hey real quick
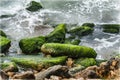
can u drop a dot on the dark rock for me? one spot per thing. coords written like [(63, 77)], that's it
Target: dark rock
[(2, 33), (89, 24)]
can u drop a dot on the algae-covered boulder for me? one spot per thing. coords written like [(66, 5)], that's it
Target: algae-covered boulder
[(88, 24), (31, 45), (81, 30), (9, 67), (111, 28), (74, 41), (4, 44), (74, 51), (2, 33), (39, 63), (34, 6), (58, 35), (85, 62)]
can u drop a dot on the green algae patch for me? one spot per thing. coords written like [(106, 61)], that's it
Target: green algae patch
[(9, 66), (39, 63), (74, 41), (2, 33), (31, 45), (81, 30), (73, 51), (4, 44), (111, 28), (86, 62), (57, 35), (34, 6), (88, 24)]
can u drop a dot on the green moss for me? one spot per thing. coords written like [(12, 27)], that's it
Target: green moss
[(111, 28), (4, 44), (74, 51), (39, 63), (34, 6), (58, 35), (2, 33), (31, 45), (81, 30), (86, 62), (89, 24), (9, 65), (74, 42)]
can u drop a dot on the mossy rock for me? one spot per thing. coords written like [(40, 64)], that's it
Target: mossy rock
[(99, 61), (34, 6), (2, 33), (86, 62), (73, 51), (4, 44), (9, 66), (111, 28), (31, 45), (88, 24), (81, 30), (74, 41), (58, 35), (39, 63)]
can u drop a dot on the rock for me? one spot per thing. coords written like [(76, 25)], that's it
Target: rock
[(73, 51), (57, 70), (86, 62), (111, 28), (2, 33), (3, 75), (34, 6), (9, 67), (4, 44), (99, 61), (31, 45), (57, 35), (37, 63), (74, 42), (25, 75), (81, 30), (88, 24)]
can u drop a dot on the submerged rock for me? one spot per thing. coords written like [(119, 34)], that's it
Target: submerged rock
[(2, 33), (89, 24), (4, 44), (86, 62), (111, 28), (39, 63), (74, 42), (31, 45), (9, 67), (81, 30), (34, 6), (58, 70), (58, 35), (73, 51)]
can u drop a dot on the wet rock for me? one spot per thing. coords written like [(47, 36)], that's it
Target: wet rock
[(74, 41), (9, 67), (39, 63), (73, 51), (2, 33), (25, 75), (31, 45), (57, 35), (58, 70), (4, 44), (34, 6), (111, 28), (3, 75), (88, 24)]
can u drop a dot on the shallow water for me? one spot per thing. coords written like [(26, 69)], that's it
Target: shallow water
[(22, 23)]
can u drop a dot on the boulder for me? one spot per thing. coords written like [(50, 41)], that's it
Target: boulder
[(74, 41), (4, 44), (37, 63), (34, 6), (2, 33), (57, 35), (111, 28), (31, 45), (9, 67), (73, 51), (81, 30), (88, 24)]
